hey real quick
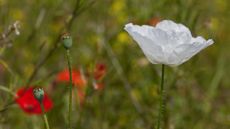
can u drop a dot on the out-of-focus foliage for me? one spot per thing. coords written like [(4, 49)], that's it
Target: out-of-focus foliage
[(197, 91)]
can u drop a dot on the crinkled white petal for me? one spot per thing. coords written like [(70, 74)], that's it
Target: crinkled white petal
[(157, 36), (167, 43), (170, 26), (151, 49), (187, 51)]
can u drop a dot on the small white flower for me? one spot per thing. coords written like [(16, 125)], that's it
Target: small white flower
[(168, 43)]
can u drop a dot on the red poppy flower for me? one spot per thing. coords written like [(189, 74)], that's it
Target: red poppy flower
[(100, 71), (78, 78), (25, 99), (153, 21)]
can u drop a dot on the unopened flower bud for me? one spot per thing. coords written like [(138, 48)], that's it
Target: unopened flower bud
[(38, 94), (66, 40)]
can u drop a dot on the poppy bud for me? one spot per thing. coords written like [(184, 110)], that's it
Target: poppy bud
[(66, 40), (38, 94)]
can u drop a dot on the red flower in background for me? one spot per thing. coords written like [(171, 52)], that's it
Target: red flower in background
[(78, 78), (99, 71), (153, 21), (25, 99), (80, 82)]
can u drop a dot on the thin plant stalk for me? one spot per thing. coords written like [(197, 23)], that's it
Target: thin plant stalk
[(70, 87), (44, 117), (4, 88), (162, 99)]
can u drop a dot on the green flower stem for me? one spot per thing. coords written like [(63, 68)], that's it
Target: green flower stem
[(44, 116), (70, 87), (162, 99)]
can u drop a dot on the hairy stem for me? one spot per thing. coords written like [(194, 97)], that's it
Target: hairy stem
[(70, 87), (162, 100), (44, 117)]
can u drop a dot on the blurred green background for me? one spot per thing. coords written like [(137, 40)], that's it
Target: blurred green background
[(198, 91)]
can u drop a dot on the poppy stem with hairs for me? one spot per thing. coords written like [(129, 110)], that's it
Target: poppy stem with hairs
[(162, 99), (70, 88), (67, 43), (39, 96), (44, 116)]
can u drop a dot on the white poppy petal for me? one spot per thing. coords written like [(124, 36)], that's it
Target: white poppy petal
[(158, 36), (170, 26), (187, 51), (172, 60), (142, 30), (168, 43), (152, 51)]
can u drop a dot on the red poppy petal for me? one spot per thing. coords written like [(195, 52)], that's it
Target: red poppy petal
[(78, 78), (100, 71), (25, 99)]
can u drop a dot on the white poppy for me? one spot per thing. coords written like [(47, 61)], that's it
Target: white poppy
[(168, 43)]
